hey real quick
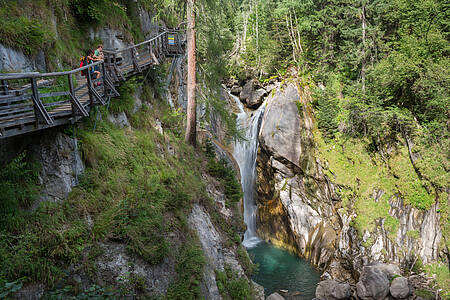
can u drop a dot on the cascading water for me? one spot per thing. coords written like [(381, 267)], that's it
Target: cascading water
[(278, 269), (245, 152)]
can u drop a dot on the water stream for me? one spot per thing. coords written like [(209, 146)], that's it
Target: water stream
[(278, 269), (245, 152)]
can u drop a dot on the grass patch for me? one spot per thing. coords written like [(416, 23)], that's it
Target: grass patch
[(424, 294), (441, 271), (231, 286), (367, 173), (19, 188), (125, 102), (222, 171), (25, 34), (131, 191), (189, 268)]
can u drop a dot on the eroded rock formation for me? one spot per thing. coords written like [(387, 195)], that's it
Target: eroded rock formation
[(300, 207)]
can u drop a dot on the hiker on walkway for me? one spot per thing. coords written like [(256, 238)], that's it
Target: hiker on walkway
[(95, 74), (98, 55)]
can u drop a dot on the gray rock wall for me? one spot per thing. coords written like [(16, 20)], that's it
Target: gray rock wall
[(299, 207), (12, 60), (61, 165)]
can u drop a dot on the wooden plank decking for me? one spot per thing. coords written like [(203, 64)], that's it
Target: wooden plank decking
[(35, 101)]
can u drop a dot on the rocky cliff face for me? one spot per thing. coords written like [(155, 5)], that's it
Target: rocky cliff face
[(301, 208), (14, 61)]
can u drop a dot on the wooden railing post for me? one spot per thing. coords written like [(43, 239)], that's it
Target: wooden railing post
[(4, 88), (105, 89), (137, 69), (77, 106), (90, 87), (163, 44), (69, 77), (40, 112)]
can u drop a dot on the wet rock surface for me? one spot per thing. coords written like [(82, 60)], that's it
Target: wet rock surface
[(275, 296)]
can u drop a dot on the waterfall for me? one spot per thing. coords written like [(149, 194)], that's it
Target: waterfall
[(245, 152)]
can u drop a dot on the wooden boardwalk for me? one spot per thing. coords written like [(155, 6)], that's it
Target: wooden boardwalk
[(35, 101)]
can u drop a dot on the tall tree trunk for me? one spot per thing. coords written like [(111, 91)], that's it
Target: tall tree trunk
[(191, 126), (363, 63)]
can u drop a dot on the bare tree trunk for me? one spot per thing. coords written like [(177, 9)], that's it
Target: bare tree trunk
[(363, 63), (291, 37), (244, 38), (191, 126), (257, 42)]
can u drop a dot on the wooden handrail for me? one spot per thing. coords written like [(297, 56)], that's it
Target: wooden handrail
[(25, 108)]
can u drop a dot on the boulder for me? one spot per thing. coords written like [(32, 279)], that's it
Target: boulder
[(280, 133), (61, 165), (119, 119), (373, 284), (251, 94), (256, 98), (275, 296), (390, 270), (236, 90), (400, 288), (333, 290), (247, 91)]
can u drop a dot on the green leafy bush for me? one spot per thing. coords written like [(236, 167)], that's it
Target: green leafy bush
[(221, 170), (327, 104)]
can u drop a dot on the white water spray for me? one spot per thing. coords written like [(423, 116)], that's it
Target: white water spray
[(245, 152)]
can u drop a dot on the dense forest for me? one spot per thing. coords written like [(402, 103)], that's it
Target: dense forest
[(378, 75)]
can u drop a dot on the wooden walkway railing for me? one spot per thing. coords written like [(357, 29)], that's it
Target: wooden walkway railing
[(35, 101)]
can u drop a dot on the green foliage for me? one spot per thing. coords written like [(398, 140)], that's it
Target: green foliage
[(391, 71), (189, 268), (442, 275), (222, 171), (9, 288), (99, 12), (131, 192), (327, 105), (425, 294), (244, 259), (231, 286), (171, 12), (19, 186), (94, 292), (25, 34), (125, 102), (414, 234), (366, 173)]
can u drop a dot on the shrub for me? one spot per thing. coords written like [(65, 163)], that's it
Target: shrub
[(225, 174), (231, 286), (327, 104)]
